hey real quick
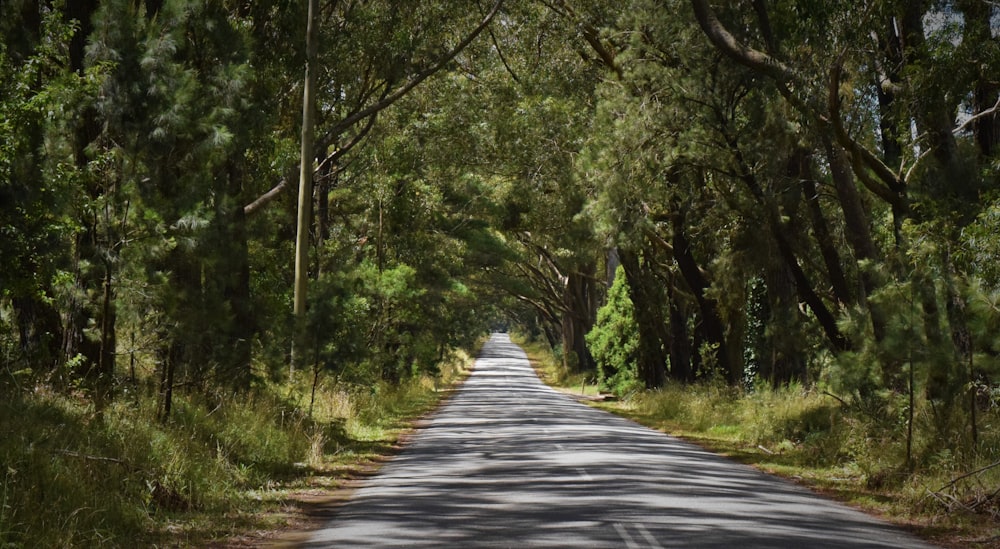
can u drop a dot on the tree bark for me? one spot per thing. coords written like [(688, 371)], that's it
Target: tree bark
[(772, 218), (578, 319), (824, 240), (978, 30), (680, 340), (231, 271), (857, 229), (40, 333)]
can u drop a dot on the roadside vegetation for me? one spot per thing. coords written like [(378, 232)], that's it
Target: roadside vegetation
[(851, 454), (225, 465)]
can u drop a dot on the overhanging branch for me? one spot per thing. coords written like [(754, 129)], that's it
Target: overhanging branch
[(369, 112)]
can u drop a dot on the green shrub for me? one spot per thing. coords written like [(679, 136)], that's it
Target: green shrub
[(614, 340)]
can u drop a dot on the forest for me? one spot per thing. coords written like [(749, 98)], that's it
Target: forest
[(209, 204)]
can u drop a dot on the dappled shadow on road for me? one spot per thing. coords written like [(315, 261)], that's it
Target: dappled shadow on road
[(511, 463)]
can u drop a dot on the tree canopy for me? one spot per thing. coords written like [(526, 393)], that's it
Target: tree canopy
[(791, 191)]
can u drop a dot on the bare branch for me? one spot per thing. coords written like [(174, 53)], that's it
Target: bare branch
[(267, 197), (988, 112)]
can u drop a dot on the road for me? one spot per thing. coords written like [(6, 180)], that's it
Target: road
[(508, 462)]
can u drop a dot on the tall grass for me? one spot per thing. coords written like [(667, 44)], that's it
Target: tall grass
[(72, 478)]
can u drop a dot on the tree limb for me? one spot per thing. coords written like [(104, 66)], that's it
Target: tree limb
[(364, 113), (590, 35), (787, 79), (267, 197), (742, 54), (861, 157), (988, 112), (503, 58), (341, 151), (391, 98)]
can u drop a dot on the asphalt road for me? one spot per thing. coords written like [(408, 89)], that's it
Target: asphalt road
[(509, 462)]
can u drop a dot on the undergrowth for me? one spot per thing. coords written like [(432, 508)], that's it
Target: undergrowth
[(72, 478)]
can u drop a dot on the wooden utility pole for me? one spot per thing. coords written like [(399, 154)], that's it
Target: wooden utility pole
[(305, 185)]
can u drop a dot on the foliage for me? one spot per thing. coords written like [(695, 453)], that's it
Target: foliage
[(614, 339), (73, 481)]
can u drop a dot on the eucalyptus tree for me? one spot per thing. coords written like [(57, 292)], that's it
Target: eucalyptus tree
[(901, 72)]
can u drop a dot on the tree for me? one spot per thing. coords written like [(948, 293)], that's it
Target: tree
[(394, 84)]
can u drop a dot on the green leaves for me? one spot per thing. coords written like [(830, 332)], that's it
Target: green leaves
[(614, 340)]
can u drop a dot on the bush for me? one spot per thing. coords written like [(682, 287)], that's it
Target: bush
[(614, 340)]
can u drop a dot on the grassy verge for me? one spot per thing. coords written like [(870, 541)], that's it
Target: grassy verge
[(807, 437), (226, 470), (554, 374)]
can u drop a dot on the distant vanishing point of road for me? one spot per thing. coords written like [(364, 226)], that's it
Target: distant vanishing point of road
[(508, 462)]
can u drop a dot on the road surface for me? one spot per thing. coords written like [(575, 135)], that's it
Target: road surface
[(508, 462)]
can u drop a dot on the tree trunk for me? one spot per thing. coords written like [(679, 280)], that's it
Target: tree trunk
[(578, 320), (104, 378), (323, 213), (680, 340), (978, 30), (934, 115), (785, 363), (961, 339), (230, 272), (648, 306), (39, 331), (857, 229), (168, 361), (711, 322), (824, 239), (803, 286), (891, 46)]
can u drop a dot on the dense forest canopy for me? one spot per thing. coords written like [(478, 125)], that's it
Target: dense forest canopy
[(790, 191)]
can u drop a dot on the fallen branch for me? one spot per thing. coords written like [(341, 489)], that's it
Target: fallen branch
[(967, 475), (765, 450), (103, 459), (835, 397)]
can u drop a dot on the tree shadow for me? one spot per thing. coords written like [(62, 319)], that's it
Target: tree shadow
[(510, 462)]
